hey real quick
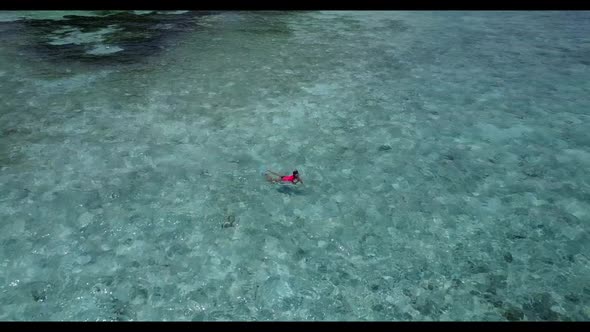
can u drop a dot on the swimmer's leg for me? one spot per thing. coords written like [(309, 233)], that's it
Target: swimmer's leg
[(271, 178), (277, 174)]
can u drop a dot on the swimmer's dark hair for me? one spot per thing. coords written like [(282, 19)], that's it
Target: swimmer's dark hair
[(295, 172)]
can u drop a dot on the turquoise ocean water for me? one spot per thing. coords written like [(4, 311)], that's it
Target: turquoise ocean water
[(445, 157)]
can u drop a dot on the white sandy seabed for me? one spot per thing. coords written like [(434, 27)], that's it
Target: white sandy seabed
[(444, 157)]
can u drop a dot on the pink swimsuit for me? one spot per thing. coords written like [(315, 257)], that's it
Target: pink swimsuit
[(288, 178)]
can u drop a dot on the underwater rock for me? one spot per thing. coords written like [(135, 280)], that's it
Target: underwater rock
[(121, 310), (539, 307), (517, 236), (378, 308), (299, 254), (39, 290), (573, 298), (229, 221), (513, 313), (122, 36)]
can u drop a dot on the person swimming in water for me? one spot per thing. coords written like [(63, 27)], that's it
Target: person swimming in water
[(276, 177)]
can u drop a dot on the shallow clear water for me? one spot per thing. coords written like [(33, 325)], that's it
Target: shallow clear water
[(445, 157)]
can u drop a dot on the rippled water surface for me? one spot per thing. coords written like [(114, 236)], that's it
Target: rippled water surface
[(445, 157)]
